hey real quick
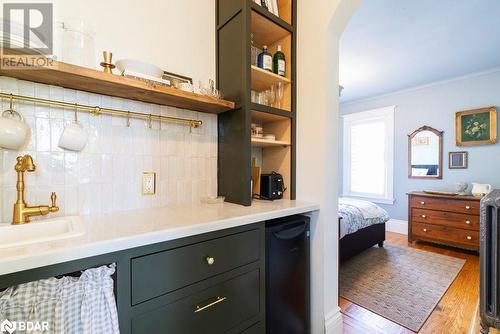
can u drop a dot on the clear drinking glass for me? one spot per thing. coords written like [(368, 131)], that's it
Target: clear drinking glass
[(271, 95), (280, 90), (274, 93), (202, 88), (253, 96), (262, 97)]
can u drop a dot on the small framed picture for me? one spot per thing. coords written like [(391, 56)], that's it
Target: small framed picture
[(458, 160)]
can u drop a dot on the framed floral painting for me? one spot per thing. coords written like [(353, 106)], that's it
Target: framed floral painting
[(476, 127)]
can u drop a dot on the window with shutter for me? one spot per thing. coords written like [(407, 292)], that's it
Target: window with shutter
[(369, 155)]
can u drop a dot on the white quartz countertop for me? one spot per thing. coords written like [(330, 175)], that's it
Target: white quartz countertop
[(125, 230)]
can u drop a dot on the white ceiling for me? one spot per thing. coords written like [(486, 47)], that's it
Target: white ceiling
[(391, 45)]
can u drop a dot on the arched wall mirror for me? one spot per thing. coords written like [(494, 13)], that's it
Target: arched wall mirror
[(425, 153)]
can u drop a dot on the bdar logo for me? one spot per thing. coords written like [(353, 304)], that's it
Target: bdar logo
[(7, 327)]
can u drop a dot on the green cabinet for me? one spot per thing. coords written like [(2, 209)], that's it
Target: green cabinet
[(211, 283), (156, 274), (215, 310)]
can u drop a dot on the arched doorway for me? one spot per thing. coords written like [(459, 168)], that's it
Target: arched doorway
[(320, 24)]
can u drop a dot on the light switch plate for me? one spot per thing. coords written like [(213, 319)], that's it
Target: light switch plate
[(148, 183)]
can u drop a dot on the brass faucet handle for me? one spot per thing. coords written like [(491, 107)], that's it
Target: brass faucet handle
[(53, 207)]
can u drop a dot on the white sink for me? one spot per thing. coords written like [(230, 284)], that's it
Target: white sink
[(41, 231)]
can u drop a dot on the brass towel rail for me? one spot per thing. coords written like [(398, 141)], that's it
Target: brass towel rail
[(96, 110)]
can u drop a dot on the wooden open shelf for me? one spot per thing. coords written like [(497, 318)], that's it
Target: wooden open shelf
[(274, 155), (266, 31), (274, 125), (259, 142), (275, 159), (256, 107), (89, 80), (264, 117), (285, 13), (263, 80)]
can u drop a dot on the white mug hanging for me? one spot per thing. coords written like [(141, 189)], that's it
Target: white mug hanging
[(74, 136), (13, 129)]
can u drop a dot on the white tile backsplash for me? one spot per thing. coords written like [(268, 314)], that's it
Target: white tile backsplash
[(106, 176)]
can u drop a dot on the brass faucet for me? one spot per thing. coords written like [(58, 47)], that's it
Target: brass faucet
[(23, 212)]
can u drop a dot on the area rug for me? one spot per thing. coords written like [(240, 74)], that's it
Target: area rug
[(401, 284)]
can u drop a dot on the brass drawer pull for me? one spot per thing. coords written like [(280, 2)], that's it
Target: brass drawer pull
[(217, 300), (469, 237), (424, 216), (210, 260), (425, 230), (467, 207), (423, 203), (467, 222)]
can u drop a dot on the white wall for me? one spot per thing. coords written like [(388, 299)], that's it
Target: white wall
[(178, 36), (320, 24), (435, 105)]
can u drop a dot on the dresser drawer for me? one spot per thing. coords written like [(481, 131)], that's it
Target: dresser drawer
[(212, 311), (446, 235), (160, 273), (443, 204), (451, 219)]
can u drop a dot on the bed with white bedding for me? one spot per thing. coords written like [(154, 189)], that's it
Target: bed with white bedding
[(362, 225)]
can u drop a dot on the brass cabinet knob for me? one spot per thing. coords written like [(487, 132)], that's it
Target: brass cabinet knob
[(467, 207), (210, 260), (422, 202), (469, 237), (425, 230), (424, 216), (467, 222)]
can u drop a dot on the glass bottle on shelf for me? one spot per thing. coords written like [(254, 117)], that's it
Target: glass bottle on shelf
[(265, 60), (279, 62)]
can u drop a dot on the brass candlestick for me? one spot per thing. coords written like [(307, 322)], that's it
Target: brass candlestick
[(108, 62)]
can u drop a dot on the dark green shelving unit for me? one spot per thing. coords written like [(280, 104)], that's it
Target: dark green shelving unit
[(236, 21)]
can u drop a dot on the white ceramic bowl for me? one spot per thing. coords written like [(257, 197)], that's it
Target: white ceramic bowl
[(137, 66)]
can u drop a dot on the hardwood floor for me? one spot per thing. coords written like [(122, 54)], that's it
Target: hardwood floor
[(455, 313), (476, 326)]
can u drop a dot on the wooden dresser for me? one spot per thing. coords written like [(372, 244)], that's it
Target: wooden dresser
[(444, 219)]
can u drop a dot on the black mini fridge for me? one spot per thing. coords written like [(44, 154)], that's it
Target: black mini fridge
[(288, 275)]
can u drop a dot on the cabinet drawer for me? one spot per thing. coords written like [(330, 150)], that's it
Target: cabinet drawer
[(446, 235), (443, 204), (451, 219), (157, 274), (212, 311)]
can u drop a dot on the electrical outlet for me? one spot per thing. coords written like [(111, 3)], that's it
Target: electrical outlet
[(148, 183)]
